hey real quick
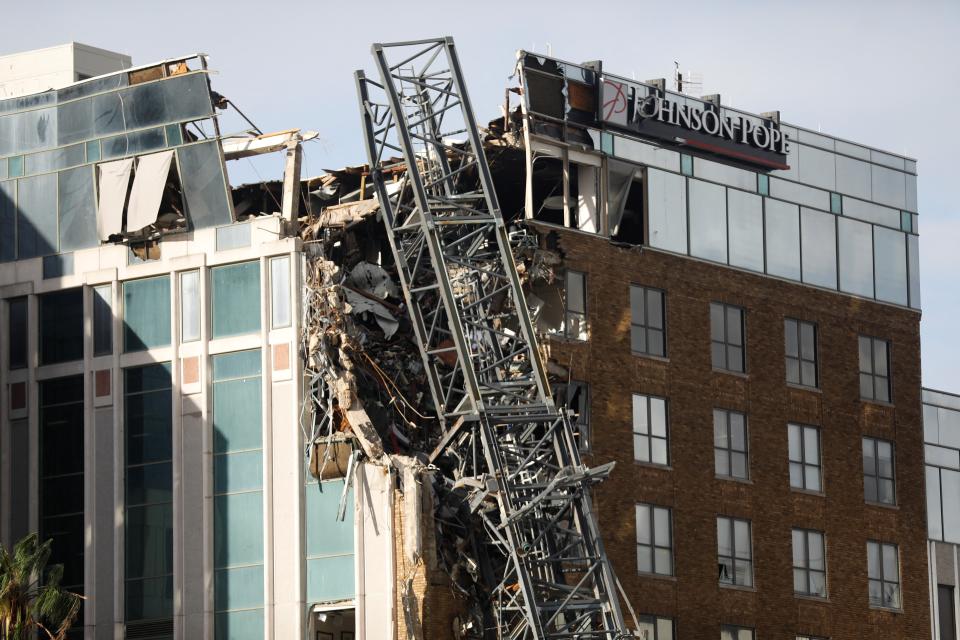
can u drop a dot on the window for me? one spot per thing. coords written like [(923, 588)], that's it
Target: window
[(575, 306), (61, 326), (948, 614), (730, 444), (726, 337), (800, 340), (330, 545), (809, 563), (734, 553), (280, 292), (874, 369), (650, 440), (763, 184), (236, 299), (575, 396), (149, 493), (103, 320), (647, 326), (654, 540), (61, 477), (836, 203), (189, 306), (878, 471), (806, 637), (655, 628), (237, 494), (146, 313), (804, 445), (17, 333), (883, 572), (233, 236), (686, 164), (731, 632)]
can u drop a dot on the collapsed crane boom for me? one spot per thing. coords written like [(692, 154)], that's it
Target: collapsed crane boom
[(503, 446)]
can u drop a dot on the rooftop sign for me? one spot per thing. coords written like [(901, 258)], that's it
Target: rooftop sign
[(691, 122)]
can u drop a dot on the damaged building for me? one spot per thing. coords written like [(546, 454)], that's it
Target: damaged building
[(253, 420)]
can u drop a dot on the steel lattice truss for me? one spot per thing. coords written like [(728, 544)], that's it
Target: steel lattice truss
[(504, 447)]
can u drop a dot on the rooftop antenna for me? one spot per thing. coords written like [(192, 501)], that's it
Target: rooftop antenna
[(690, 83)]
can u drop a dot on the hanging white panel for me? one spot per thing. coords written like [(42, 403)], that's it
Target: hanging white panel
[(152, 172), (587, 204), (113, 182)]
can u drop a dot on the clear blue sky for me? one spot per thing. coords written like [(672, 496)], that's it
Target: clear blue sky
[(881, 73)]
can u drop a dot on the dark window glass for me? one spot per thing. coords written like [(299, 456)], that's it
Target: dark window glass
[(204, 185), (647, 321), (61, 476), (8, 217), (800, 346), (874, 369), (17, 338), (149, 493), (61, 326), (727, 337), (948, 614), (103, 320)]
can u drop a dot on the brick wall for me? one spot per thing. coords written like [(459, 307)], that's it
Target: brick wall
[(433, 604), (690, 487)]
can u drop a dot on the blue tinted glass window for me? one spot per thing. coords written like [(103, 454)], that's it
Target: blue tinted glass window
[(236, 299), (238, 495), (146, 313), (149, 493)]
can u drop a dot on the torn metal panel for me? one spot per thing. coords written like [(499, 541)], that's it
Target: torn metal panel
[(237, 147)]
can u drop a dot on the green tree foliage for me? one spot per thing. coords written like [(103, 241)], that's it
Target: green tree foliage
[(31, 598)]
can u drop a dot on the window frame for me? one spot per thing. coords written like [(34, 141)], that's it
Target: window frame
[(650, 436), (882, 578), (654, 544), (217, 328), (805, 566), (724, 341), (871, 373), (799, 359), (803, 462), (644, 323), (876, 475), (584, 334), (729, 450), (735, 630), (654, 620), (735, 559)]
